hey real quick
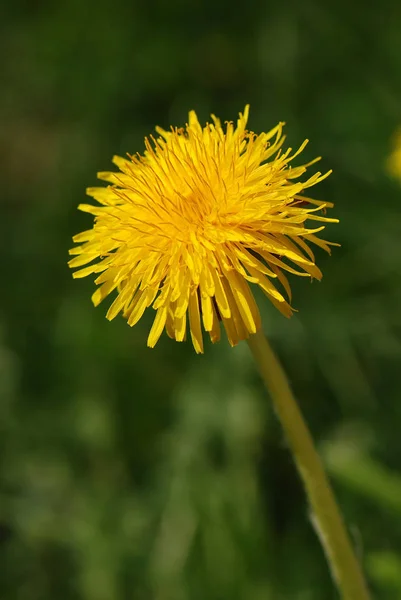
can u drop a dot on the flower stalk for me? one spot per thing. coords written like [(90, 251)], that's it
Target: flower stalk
[(326, 516)]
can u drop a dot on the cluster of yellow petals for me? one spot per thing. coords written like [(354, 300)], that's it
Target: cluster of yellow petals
[(186, 228)]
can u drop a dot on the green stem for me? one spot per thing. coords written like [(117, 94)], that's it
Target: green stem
[(327, 518)]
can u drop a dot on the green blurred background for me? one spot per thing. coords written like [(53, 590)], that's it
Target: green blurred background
[(129, 473)]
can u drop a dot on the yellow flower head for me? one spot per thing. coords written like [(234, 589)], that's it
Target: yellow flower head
[(186, 228)]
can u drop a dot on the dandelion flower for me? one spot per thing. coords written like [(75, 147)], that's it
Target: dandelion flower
[(191, 225)]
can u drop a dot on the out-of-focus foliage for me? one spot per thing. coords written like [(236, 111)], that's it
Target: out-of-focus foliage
[(129, 473)]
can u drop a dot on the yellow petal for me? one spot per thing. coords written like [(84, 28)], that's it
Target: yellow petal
[(245, 301), (195, 323), (158, 326)]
